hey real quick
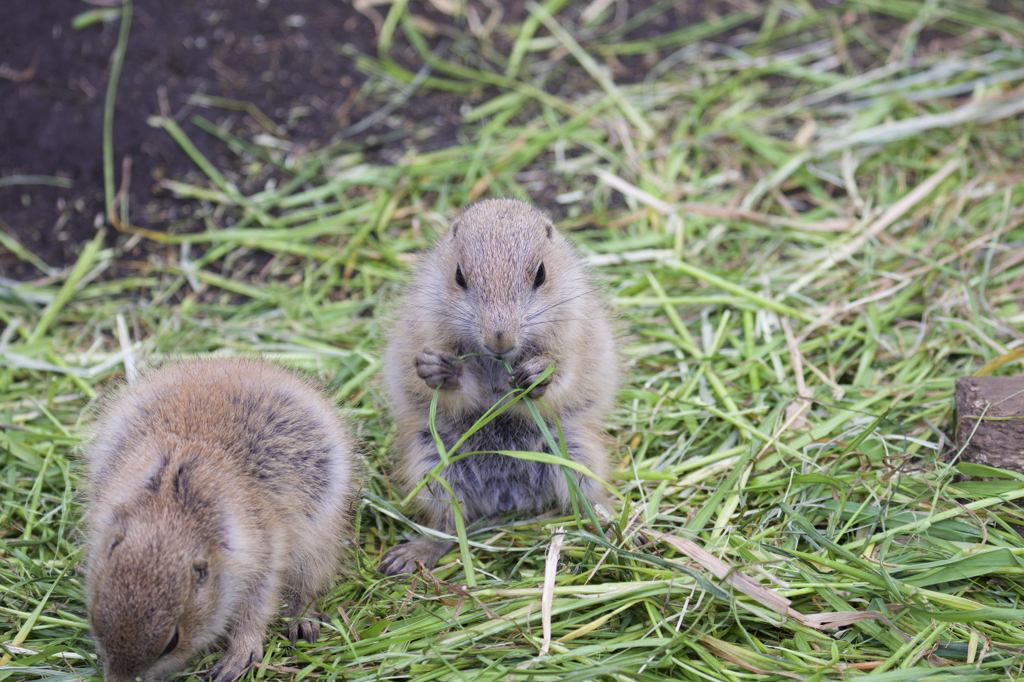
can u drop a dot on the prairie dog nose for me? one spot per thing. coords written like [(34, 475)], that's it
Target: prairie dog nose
[(499, 342)]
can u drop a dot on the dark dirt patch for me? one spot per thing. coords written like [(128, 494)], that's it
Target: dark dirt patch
[(283, 56)]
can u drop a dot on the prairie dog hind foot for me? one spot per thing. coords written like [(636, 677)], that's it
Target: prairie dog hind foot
[(402, 558)]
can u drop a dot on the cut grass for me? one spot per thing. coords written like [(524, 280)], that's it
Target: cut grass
[(809, 222)]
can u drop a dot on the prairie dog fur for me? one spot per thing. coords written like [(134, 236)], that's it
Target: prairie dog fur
[(219, 495), (502, 282)]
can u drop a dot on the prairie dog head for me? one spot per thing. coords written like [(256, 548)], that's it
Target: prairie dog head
[(155, 589), (506, 276)]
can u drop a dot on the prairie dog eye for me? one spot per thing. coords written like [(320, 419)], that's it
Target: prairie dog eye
[(202, 569), (539, 277), (117, 541), (172, 644), (459, 278)]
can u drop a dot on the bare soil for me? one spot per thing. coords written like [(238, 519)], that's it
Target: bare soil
[(282, 56)]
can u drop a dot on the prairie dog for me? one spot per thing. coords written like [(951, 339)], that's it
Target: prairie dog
[(219, 495), (503, 282)]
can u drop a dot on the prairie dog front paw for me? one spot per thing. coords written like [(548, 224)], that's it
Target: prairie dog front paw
[(235, 662), (528, 371), (307, 626), (438, 369)]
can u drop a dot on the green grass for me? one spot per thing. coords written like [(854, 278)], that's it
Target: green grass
[(809, 231)]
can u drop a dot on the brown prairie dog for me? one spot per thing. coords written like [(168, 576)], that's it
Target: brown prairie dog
[(219, 495), (502, 282)]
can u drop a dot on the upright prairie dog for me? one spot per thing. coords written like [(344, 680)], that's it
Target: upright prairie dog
[(219, 495), (505, 283)]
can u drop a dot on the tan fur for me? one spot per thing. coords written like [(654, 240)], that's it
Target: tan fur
[(219, 491), (498, 246)]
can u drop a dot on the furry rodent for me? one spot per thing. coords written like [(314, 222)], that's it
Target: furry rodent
[(219, 495), (502, 282)]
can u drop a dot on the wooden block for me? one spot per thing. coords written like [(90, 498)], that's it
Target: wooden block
[(997, 438)]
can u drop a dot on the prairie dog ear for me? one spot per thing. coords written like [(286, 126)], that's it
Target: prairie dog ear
[(202, 570), (455, 229), (550, 228)]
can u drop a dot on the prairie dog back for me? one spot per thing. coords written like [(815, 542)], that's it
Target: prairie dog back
[(218, 492)]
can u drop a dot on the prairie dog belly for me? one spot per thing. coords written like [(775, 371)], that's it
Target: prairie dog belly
[(490, 483)]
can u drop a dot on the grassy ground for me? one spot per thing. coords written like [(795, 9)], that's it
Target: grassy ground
[(809, 222)]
